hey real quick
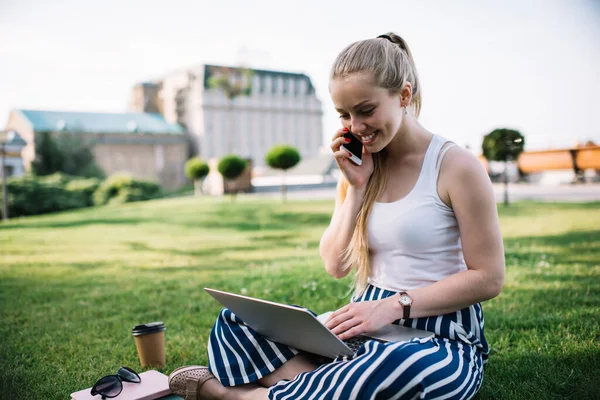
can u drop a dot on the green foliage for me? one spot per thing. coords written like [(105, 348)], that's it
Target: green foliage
[(122, 188), (31, 195), (57, 178), (48, 157), (231, 82), (282, 157), (65, 152), (231, 166), (84, 188), (503, 144), (196, 169)]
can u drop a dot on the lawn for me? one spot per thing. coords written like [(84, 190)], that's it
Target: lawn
[(73, 285)]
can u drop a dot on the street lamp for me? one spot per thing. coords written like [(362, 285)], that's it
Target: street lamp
[(10, 142)]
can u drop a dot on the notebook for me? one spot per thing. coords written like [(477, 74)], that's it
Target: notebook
[(154, 385), (298, 328)]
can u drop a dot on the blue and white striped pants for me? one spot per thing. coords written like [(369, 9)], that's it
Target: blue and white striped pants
[(447, 366)]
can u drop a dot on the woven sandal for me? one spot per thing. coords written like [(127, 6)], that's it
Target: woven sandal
[(186, 381)]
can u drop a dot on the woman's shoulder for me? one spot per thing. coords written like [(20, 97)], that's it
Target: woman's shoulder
[(459, 161), (460, 170)]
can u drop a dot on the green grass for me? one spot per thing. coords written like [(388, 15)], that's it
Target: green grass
[(73, 285)]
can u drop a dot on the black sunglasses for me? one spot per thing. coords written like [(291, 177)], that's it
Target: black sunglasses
[(112, 385)]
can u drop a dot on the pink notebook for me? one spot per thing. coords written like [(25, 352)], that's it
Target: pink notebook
[(153, 386)]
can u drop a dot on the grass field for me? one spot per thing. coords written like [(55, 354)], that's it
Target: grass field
[(73, 285)]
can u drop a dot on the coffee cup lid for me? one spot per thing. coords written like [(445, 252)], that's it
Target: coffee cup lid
[(151, 327)]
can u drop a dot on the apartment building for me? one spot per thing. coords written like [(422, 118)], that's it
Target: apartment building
[(279, 108)]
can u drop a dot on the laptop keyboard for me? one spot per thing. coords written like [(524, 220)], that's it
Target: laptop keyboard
[(355, 342)]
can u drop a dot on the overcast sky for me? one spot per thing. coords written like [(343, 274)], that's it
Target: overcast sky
[(530, 65)]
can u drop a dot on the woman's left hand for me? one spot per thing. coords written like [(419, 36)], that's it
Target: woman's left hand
[(360, 317)]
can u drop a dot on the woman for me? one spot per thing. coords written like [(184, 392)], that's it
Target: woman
[(417, 222)]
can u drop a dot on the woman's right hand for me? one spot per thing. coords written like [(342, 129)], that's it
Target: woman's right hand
[(357, 175)]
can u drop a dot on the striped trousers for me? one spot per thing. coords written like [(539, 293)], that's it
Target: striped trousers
[(446, 366)]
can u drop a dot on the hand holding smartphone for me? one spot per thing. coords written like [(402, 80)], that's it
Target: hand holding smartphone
[(355, 148)]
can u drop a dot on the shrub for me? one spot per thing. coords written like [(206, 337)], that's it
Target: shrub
[(30, 195), (84, 188), (231, 166), (282, 157), (122, 188), (57, 178), (196, 170)]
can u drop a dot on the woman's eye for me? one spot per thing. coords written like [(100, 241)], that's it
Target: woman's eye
[(368, 112), (343, 116)]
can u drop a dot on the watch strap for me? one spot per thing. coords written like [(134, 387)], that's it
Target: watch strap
[(405, 308)]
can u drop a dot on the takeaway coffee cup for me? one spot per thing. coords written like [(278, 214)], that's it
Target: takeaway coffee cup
[(150, 342)]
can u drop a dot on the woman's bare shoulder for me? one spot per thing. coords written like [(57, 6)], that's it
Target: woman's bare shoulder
[(461, 170)]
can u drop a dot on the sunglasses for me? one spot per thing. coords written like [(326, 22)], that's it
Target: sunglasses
[(112, 385)]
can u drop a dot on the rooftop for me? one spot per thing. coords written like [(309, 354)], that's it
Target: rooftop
[(91, 122)]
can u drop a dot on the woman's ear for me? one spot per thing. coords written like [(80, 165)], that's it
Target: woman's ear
[(406, 95)]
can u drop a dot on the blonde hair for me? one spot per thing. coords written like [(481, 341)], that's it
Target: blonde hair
[(389, 60)]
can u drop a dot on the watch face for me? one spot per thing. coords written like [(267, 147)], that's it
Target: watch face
[(405, 300)]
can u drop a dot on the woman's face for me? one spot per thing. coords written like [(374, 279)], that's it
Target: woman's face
[(368, 111)]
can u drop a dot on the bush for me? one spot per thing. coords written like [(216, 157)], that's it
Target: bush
[(57, 178), (30, 195), (282, 157), (231, 166), (196, 169), (122, 188), (84, 188), (34, 195)]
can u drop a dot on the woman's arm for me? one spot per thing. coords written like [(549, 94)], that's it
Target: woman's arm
[(465, 186), (336, 238), (351, 191)]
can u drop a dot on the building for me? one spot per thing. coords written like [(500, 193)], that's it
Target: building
[(142, 144), (11, 162), (281, 108)]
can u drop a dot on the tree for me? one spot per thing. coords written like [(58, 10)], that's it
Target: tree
[(64, 152), (282, 157), (234, 82), (78, 156), (196, 170), (231, 167), (503, 145), (48, 158)]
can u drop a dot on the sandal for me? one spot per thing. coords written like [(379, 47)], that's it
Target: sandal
[(186, 381)]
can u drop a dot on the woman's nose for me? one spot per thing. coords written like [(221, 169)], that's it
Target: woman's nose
[(357, 125)]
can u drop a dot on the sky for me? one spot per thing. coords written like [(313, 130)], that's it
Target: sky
[(530, 65)]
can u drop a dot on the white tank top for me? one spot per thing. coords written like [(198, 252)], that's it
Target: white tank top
[(415, 241)]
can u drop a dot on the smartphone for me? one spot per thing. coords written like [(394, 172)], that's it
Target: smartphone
[(354, 147)]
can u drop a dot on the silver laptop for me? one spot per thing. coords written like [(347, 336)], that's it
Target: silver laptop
[(298, 328)]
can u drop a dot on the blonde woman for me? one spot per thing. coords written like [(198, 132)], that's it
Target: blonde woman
[(416, 223)]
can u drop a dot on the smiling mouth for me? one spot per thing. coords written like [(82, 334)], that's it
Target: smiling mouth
[(369, 138)]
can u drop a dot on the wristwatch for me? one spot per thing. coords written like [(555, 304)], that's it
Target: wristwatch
[(405, 301)]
